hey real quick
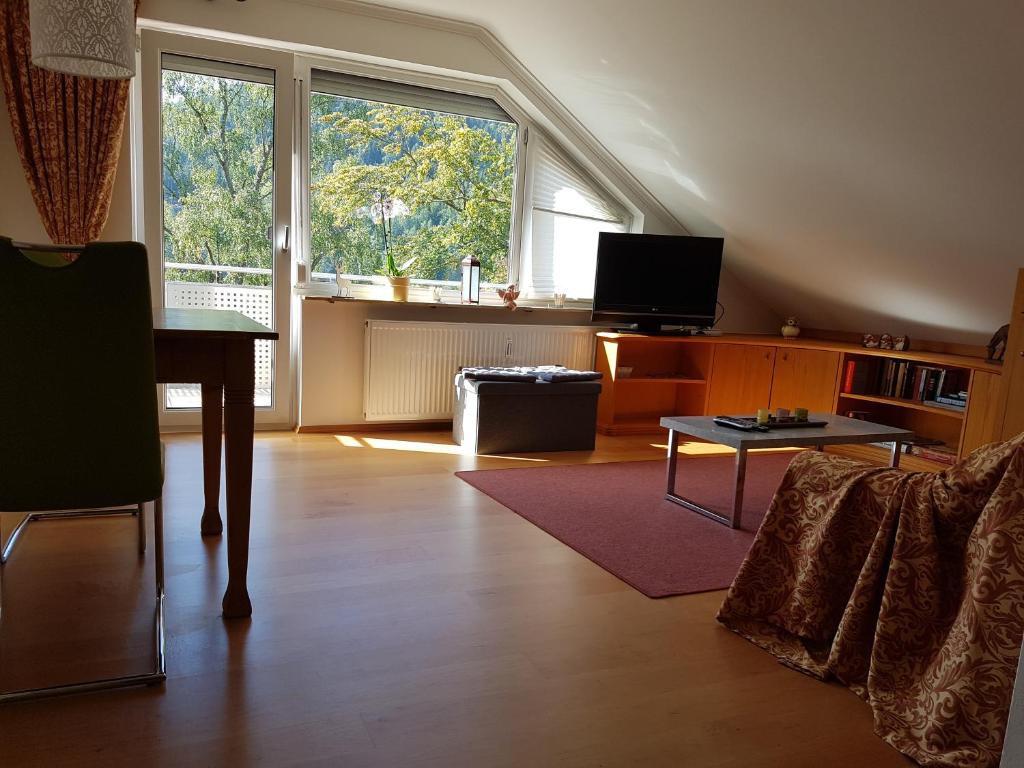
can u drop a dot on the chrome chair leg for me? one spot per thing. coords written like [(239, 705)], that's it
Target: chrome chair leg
[(159, 675), (32, 517), (142, 529)]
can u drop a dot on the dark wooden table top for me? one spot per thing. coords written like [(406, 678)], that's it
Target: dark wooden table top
[(208, 324)]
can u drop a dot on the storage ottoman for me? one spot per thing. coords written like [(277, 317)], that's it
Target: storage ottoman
[(504, 417)]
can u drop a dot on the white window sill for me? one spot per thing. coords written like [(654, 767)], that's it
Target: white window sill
[(423, 296)]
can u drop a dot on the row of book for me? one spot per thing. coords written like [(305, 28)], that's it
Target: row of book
[(906, 380)]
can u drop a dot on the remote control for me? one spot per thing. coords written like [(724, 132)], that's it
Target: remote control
[(742, 424)]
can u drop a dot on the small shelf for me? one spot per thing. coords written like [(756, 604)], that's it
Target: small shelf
[(633, 425), (902, 403), (872, 454), (659, 380)]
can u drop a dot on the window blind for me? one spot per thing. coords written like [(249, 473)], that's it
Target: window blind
[(569, 210), (197, 66), (391, 92)]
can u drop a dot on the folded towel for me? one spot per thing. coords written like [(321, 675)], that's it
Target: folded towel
[(554, 377)]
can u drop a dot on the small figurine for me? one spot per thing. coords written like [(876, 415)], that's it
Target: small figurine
[(997, 345), (901, 343), (870, 341), (792, 327), (885, 341), (509, 295)]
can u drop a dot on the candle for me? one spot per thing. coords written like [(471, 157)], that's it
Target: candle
[(801, 414), (762, 416), (782, 413)]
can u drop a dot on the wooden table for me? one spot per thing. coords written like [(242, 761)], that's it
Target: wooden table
[(216, 349), (839, 430)]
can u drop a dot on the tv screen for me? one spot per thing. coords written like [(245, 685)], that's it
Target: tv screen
[(655, 280)]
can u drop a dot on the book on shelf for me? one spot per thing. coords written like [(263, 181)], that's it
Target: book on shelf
[(904, 380), (934, 453)]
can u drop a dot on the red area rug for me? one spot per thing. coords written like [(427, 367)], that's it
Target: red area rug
[(616, 515)]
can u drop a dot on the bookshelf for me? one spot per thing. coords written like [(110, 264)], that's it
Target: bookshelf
[(690, 376)]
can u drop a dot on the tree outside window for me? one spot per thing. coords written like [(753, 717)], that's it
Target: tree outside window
[(419, 186)]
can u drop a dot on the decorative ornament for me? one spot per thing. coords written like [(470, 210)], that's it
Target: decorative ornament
[(997, 345), (792, 327), (870, 341), (87, 38), (509, 295), (470, 280), (901, 343), (885, 342)]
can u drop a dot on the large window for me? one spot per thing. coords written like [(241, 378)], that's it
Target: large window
[(408, 179)]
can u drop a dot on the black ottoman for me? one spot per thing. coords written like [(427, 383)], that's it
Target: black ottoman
[(505, 417)]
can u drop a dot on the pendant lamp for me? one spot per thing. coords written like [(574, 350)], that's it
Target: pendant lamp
[(88, 38)]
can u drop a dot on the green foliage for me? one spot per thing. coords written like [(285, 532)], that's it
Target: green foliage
[(394, 190), (397, 183), (218, 163)]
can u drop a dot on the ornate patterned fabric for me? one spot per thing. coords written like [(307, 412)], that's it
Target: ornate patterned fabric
[(68, 132), (906, 587)]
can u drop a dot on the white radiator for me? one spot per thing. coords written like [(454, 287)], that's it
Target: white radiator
[(410, 366)]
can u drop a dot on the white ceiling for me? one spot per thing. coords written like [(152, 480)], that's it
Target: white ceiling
[(864, 159)]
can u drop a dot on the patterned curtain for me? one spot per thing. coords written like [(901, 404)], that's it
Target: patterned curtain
[(68, 132)]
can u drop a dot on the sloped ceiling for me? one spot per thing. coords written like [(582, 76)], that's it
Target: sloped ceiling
[(864, 159)]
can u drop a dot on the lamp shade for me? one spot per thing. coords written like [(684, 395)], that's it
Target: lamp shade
[(88, 38)]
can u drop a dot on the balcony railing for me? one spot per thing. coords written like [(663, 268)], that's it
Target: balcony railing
[(256, 302)]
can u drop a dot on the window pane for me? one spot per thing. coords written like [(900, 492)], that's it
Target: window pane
[(569, 210), (564, 255), (415, 188), (218, 175)]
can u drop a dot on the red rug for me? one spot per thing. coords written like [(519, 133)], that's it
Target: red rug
[(616, 515)]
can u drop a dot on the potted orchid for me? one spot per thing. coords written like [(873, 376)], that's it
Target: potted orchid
[(385, 209)]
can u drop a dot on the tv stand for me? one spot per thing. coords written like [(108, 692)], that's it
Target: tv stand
[(657, 330)]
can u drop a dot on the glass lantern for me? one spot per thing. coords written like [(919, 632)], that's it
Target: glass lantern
[(471, 280)]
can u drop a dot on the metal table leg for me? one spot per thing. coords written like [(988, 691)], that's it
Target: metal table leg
[(894, 458), (671, 495)]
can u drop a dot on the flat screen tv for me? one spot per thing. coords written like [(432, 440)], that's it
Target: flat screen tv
[(648, 281)]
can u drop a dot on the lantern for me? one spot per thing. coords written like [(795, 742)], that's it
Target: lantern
[(89, 38), (471, 280)]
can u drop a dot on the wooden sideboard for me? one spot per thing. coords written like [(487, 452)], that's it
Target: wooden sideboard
[(737, 374)]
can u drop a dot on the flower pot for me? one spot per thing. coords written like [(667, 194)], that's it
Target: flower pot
[(399, 288)]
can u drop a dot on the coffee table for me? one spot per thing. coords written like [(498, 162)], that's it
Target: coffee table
[(839, 430)]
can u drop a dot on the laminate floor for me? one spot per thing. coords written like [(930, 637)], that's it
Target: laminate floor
[(401, 618)]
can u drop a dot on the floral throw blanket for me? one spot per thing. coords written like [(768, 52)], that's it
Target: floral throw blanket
[(906, 587)]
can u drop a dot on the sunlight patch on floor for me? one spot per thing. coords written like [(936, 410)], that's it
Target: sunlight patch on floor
[(418, 446), (713, 449)]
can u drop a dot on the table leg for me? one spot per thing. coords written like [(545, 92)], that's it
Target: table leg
[(741, 473), (894, 458), (673, 460), (213, 422), (238, 434), (670, 491)]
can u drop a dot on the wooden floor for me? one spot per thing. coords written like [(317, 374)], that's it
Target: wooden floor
[(401, 618)]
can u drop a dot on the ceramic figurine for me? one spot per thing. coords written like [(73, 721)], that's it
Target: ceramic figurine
[(901, 343), (509, 295), (870, 341), (792, 327), (885, 342)]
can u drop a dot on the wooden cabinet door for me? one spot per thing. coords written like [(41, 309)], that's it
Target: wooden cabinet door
[(805, 378), (1012, 387), (741, 379)]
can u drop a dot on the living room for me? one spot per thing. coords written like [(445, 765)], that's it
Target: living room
[(399, 598)]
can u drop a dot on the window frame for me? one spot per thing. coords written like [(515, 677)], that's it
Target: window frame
[(304, 67)]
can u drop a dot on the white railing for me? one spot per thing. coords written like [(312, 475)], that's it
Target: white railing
[(253, 301)]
